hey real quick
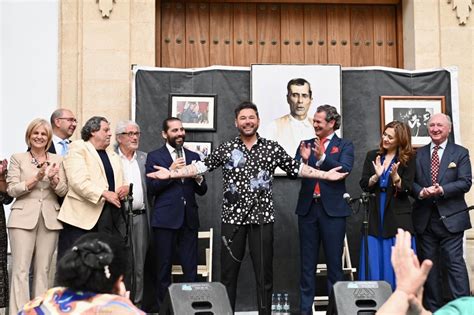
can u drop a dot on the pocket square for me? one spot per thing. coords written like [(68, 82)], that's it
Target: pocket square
[(452, 165), (334, 150)]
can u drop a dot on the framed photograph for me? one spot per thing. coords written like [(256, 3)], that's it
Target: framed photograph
[(275, 90), (203, 148), (415, 111), (196, 111)]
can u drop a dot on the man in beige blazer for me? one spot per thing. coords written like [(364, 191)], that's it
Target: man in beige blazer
[(96, 186)]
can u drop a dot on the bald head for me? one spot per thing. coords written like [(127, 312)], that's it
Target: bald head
[(63, 122)]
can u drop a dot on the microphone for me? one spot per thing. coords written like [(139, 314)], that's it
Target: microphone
[(129, 197), (179, 151), (347, 198)]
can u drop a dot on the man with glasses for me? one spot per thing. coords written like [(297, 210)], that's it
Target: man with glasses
[(127, 134), (64, 124)]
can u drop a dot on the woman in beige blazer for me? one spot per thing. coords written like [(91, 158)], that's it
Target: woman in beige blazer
[(33, 228)]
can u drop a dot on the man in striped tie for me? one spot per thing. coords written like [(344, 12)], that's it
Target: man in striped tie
[(443, 176)]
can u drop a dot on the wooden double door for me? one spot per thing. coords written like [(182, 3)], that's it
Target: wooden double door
[(201, 34)]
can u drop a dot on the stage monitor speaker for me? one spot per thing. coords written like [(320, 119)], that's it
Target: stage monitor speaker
[(358, 297), (200, 298)]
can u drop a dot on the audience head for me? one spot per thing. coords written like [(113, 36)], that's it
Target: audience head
[(127, 133), (97, 131), (39, 134), (173, 132), (97, 263), (397, 137), (299, 97), (63, 123)]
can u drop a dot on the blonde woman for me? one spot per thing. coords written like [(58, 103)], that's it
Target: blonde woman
[(33, 179)]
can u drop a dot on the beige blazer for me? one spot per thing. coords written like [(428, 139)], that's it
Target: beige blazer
[(86, 182), (28, 206)]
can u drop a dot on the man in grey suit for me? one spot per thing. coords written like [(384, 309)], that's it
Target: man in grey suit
[(443, 177), (133, 161)]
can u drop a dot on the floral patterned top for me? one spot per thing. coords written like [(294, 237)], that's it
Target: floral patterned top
[(61, 300), (247, 176)]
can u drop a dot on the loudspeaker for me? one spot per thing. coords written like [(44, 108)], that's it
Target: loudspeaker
[(358, 297), (203, 298)]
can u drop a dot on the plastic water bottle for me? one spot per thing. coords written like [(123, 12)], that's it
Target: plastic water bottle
[(286, 305), (279, 306), (274, 303)]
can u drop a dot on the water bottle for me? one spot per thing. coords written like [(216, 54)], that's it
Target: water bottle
[(279, 306), (274, 304), (286, 305)]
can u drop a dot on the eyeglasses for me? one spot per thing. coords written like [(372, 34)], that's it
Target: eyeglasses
[(69, 119), (131, 133)]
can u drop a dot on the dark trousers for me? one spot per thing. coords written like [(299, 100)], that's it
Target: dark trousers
[(315, 228), (110, 222), (184, 242), (258, 247), (445, 250)]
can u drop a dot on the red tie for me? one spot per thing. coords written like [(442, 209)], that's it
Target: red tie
[(434, 165), (317, 190)]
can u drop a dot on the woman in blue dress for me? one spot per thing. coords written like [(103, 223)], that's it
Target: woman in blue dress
[(388, 173)]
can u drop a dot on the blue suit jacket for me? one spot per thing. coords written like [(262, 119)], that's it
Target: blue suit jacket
[(174, 198), (339, 152), (454, 176)]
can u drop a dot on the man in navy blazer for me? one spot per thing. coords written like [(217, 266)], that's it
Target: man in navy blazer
[(438, 223), (175, 218), (321, 208)]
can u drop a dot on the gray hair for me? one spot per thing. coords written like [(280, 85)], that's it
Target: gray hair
[(92, 125), (448, 119), (331, 114), (123, 124)]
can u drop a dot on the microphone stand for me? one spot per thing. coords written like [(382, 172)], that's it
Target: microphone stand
[(129, 237), (364, 201)]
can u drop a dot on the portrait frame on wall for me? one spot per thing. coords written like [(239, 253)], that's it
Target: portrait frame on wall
[(415, 111), (197, 112), (202, 148)]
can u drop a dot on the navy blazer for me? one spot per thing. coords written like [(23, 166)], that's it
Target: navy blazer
[(456, 179), (339, 152), (397, 210), (174, 198)]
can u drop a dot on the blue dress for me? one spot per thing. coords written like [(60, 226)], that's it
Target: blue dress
[(380, 249)]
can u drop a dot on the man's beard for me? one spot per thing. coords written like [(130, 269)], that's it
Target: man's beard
[(172, 141)]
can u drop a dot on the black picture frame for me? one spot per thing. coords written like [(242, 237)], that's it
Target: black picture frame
[(196, 111)]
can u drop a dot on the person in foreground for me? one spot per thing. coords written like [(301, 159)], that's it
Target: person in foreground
[(410, 278), (248, 162), (388, 173), (90, 278)]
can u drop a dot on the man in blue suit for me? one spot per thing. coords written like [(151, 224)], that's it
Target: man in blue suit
[(321, 208), (175, 218), (443, 177)]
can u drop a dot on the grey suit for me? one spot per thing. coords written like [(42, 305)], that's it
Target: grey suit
[(140, 235)]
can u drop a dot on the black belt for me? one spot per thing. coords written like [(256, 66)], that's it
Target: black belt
[(138, 212)]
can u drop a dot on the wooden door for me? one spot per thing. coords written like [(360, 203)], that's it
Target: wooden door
[(201, 34)]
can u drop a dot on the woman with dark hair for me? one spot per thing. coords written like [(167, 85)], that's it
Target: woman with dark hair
[(33, 227), (388, 173), (90, 278)]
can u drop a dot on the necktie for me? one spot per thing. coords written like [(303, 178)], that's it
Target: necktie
[(317, 190), (434, 165), (64, 147)]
